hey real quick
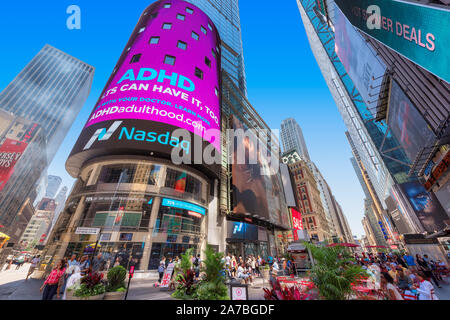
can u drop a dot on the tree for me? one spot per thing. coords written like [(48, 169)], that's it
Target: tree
[(212, 285), (334, 271)]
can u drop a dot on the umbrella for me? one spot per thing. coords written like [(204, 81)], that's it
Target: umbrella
[(345, 244)]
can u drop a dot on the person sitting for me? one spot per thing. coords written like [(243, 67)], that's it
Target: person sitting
[(243, 274)]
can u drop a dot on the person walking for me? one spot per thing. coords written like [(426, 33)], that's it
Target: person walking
[(74, 279), (196, 264), (161, 268), (425, 268), (98, 263), (425, 288), (53, 282), (84, 265), (387, 284), (34, 263)]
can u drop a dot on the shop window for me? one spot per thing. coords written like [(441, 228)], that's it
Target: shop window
[(182, 182), (117, 174)]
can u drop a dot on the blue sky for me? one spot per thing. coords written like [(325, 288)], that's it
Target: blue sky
[(283, 78)]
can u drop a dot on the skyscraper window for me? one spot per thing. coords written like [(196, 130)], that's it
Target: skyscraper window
[(180, 17), (136, 58), (154, 40), (182, 45), (199, 73), (167, 26), (169, 60), (194, 35)]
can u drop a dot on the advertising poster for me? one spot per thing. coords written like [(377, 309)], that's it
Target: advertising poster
[(10, 153), (168, 78), (406, 123), (426, 206), (297, 222), (287, 185), (359, 60), (241, 231), (420, 33), (167, 276), (260, 195)]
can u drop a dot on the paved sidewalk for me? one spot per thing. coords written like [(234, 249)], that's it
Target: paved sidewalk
[(14, 287)]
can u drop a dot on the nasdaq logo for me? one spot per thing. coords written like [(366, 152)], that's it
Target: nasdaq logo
[(237, 228), (103, 134)]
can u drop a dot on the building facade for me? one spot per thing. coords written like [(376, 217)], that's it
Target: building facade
[(53, 184), (144, 204), (225, 15), (292, 138), (50, 91), (382, 93), (21, 165), (310, 204)]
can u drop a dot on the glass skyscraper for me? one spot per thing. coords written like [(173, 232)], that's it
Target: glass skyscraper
[(292, 137), (225, 15), (50, 91)]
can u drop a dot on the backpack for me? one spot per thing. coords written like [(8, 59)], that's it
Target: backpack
[(196, 262)]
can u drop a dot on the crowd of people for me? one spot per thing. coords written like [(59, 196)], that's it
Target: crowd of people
[(403, 277), (236, 267)]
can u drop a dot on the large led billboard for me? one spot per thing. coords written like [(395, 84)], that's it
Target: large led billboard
[(167, 78), (359, 60), (426, 206), (406, 123), (253, 193), (418, 32), (10, 152)]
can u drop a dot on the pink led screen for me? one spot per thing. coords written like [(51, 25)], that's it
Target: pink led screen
[(168, 77)]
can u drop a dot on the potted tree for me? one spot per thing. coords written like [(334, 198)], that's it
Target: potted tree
[(115, 289), (212, 286), (91, 287), (334, 272)]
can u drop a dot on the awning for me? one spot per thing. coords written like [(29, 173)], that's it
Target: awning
[(4, 236), (296, 247), (345, 244), (440, 234)]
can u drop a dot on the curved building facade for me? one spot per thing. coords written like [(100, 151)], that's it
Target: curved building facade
[(162, 97)]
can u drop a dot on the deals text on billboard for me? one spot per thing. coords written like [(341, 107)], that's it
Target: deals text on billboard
[(418, 32)]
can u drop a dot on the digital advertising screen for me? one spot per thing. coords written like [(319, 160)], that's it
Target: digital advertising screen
[(254, 193), (406, 123), (418, 32), (10, 152), (167, 78), (359, 60), (426, 206), (241, 231)]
